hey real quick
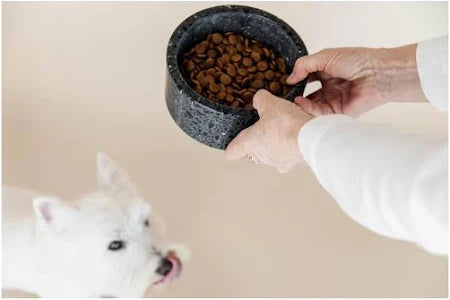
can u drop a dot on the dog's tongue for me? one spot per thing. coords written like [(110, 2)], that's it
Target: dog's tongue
[(174, 272), (176, 262)]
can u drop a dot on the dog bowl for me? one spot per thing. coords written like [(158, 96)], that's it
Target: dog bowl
[(215, 124)]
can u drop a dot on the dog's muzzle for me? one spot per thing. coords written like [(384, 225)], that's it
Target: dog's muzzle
[(169, 268)]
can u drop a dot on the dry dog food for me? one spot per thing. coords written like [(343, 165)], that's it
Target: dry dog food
[(229, 68)]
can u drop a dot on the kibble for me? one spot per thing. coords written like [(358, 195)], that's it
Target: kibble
[(229, 68)]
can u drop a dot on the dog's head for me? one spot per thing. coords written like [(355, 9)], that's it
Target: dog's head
[(109, 242)]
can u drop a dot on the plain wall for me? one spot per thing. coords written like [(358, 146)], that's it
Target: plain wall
[(82, 77)]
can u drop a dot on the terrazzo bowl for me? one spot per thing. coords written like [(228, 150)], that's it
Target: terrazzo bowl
[(210, 123)]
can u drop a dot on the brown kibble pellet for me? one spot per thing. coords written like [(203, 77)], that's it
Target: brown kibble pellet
[(269, 74), (272, 65), (280, 61), (255, 56), (209, 78), (200, 48), (225, 79), (262, 66), (231, 70), (236, 57), (226, 58), (245, 82), (257, 84), (204, 82), (212, 53), (221, 95), (221, 49), (247, 61), (210, 62), (190, 65), (220, 63), (240, 100), (198, 89), (229, 98), (274, 87), (231, 50), (197, 59), (242, 72), (213, 88), (248, 96), (259, 76), (283, 79), (235, 104), (251, 69), (232, 39), (281, 64), (229, 90), (216, 38)]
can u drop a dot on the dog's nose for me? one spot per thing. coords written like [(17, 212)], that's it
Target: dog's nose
[(164, 267)]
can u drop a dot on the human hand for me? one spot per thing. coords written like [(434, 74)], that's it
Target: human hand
[(355, 80), (273, 139)]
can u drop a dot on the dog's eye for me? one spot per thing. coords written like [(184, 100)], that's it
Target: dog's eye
[(116, 245), (146, 223)]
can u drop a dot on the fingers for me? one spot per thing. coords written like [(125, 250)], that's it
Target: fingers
[(312, 107), (240, 145), (319, 76), (309, 64)]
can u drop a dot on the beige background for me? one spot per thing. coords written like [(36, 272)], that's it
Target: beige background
[(82, 77)]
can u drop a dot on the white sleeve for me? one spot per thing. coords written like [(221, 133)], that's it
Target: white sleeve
[(390, 182), (432, 64)]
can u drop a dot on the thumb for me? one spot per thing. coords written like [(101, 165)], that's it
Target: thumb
[(239, 146), (310, 64), (262, 100)]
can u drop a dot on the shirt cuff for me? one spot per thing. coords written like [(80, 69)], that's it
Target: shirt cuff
[(431, 58), (312, 133)]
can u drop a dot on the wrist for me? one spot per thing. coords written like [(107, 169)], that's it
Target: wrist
[(396, 74), (302, 119)]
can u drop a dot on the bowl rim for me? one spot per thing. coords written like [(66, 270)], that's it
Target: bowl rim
[(182, 84)]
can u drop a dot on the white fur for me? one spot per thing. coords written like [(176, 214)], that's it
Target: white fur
[(61, 250)]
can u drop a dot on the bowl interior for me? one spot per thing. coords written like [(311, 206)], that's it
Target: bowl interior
[(275, 35)]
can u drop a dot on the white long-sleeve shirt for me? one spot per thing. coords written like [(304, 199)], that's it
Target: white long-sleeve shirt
[(388, 181)]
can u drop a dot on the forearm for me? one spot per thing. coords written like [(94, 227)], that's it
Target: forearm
[(396, 74), (413, 73), (392, 183)]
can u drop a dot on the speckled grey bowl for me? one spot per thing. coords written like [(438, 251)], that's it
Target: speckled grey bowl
[(210, 123)]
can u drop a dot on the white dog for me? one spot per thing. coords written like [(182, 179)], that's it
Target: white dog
[(104, 246)]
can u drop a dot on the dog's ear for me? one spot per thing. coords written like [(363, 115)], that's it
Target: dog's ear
[(140, 212), (51, 213), (111, 178)]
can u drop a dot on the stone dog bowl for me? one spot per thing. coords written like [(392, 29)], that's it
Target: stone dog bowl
[(210, 123)]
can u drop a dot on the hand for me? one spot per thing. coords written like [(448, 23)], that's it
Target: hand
[(273, 139), (355, 80)]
